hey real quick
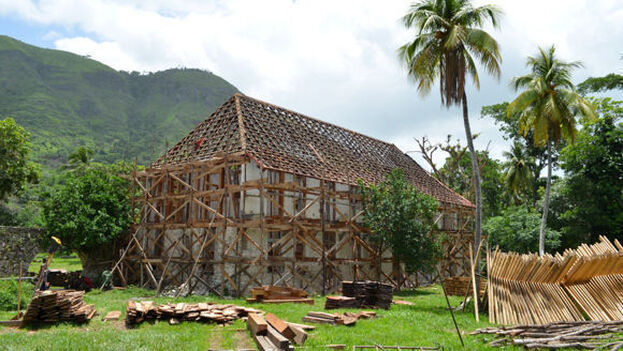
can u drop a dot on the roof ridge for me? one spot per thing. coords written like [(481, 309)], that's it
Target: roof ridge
[(313, 118), (243, 131)]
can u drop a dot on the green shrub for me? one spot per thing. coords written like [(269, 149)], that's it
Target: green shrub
[(8, 295)]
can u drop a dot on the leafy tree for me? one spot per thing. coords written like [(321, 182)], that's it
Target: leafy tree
[(548, 105), (509, 125), (79, 160), (456, 174), (517, 176), (401, 218), (611, 81), (448, 43), (89, 212), (590, 200), (517, 230), (16, 169)]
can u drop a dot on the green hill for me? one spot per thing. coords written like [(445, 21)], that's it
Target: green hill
[(66, 100)]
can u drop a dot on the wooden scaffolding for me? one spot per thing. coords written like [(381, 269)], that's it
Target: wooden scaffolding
[(231, 219)]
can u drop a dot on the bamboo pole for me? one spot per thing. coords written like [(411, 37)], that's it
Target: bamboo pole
[(19, 291)]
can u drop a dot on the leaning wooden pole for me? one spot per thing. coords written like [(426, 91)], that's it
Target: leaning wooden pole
[(456, 326)]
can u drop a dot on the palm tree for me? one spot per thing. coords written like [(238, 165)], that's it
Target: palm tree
[(548, 106), (79, 160), (518, 176), (448, 43)]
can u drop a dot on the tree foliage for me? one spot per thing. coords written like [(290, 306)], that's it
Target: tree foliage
[(592, 193), (90, 209), (509, 126), (517, 172), (16, 169), (449, 42), (457, 173), (611, 81), (517, 230), (401, 218)]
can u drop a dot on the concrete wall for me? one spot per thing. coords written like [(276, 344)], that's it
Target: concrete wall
[(18, 244)]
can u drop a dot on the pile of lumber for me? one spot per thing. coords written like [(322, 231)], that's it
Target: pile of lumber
[(52, 306), (460, 286), (333, 302), (528, 289), (272, 333), (573, 335), (139, 311), (346, 318), (369, 293), (279, 294)]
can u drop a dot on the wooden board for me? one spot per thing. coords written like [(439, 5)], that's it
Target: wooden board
[(257, 324)]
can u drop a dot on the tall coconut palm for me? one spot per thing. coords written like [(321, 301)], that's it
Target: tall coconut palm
[(449, 42), (548, 106), (518, 176)]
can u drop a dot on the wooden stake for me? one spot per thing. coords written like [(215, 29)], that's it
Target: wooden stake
[(474, 285), (19, 290)]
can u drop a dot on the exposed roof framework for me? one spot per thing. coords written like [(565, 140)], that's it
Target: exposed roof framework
[(284, 140)]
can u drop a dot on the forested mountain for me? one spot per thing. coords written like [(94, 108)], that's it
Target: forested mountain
[(66, 100)]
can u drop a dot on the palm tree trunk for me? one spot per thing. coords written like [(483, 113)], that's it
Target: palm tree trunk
[(546, 200), (476, 179)]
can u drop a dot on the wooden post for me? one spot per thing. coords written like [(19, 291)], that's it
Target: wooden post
[(19, 290), (322, 230), (474, 287)]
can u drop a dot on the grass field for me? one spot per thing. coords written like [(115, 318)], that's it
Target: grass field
[(426, 323)]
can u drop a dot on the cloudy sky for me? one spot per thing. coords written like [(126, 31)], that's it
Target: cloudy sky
[(334, 60)]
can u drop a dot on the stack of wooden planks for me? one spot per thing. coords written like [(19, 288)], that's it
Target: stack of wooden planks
[(52, 306), (279, 294), (346, 318), (333, 302), (139, 311), (272, 333), (528, 289), (369, 293), (459, 286), (572, 335)]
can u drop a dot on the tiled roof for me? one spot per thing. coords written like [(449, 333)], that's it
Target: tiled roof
[(284, 140)]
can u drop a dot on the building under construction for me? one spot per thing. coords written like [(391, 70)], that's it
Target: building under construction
[(257, 194)]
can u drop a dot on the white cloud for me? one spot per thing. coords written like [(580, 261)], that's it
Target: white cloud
[(335, 60)]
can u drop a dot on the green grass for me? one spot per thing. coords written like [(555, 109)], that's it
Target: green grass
[(58, 262), (426, 323)]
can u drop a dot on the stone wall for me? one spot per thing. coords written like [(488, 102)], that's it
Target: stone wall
[(18, 244)]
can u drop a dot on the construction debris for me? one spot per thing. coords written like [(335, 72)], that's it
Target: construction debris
[(52, 306), (279, 294), (369, 293), (575, 335), (528, 289), (346, 318), (138, 312)]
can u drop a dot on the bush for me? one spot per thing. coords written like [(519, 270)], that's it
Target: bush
[(517, 230), (8, 295)]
